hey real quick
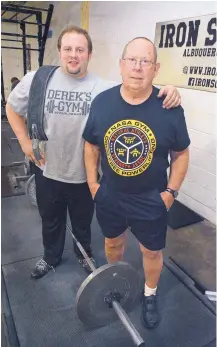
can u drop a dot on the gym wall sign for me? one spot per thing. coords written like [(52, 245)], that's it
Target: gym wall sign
[(187, 53)]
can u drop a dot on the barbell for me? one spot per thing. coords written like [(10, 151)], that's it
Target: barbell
[(107, 293)]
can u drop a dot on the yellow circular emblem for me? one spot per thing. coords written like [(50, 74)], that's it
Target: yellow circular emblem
[(129, 146)]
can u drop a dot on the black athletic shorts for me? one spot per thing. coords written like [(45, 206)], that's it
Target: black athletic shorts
[(145, 213)]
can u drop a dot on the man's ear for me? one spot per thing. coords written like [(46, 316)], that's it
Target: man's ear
[(120, 65)]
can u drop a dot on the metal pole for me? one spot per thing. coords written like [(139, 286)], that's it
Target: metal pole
[(39, 20), (190, 284), (11, 40), (27, 49), (14, 21), (23, 28), (90, 263), (29, 15), (26, 7), (14, 16), (18, 9), (15, 163), (20, 35), (136, 337), (46, 29)]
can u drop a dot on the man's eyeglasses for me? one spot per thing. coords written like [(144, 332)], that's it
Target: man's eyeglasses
[(143, 62)]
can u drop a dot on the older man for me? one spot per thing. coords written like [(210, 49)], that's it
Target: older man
[(134, 135)]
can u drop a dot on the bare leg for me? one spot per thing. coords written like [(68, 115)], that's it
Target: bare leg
[(114, 248), (152, 264)]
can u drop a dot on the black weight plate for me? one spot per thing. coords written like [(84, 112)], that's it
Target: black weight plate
[(91, 307)]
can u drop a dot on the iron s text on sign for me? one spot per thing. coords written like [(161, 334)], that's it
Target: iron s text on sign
[(187, 53)]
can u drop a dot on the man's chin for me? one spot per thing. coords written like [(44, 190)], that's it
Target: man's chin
[(135, 86), (74, 72)]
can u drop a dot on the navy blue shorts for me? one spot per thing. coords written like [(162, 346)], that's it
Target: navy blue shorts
[(145, 213)]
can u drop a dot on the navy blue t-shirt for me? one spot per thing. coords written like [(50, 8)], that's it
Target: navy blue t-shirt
[(135, 140)]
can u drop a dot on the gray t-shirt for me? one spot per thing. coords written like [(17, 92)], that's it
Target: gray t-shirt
[(66, 110)]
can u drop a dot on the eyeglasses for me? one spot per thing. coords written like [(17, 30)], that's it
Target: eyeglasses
[(143, 62)]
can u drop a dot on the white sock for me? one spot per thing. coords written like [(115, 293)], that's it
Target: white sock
[(149, 291)]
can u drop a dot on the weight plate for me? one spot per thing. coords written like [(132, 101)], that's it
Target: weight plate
[(26, 166), (30, 190), (121, 277)]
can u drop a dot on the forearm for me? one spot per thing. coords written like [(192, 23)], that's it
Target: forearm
[(17, 124), (178, 169), (91, 159)]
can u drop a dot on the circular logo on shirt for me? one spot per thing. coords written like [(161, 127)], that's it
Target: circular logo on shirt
[(129, 147)]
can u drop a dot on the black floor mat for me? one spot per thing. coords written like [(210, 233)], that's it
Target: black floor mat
[(45, 315), (180, 216), (21, 236), (193, 248), (44, 311)]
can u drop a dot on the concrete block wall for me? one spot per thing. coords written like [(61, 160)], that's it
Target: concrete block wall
[(111, 26)]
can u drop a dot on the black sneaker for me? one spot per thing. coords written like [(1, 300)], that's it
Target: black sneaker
[(85, 265), (150, 314), (41, 269)]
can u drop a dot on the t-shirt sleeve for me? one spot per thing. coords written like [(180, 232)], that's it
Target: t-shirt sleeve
[(181, 136), (18, 98), (90, 132)]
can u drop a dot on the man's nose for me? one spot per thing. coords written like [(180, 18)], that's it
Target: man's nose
[(138, 65), (73, 53)]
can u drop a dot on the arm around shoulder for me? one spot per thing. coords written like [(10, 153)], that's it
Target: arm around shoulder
[(172, 99)]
